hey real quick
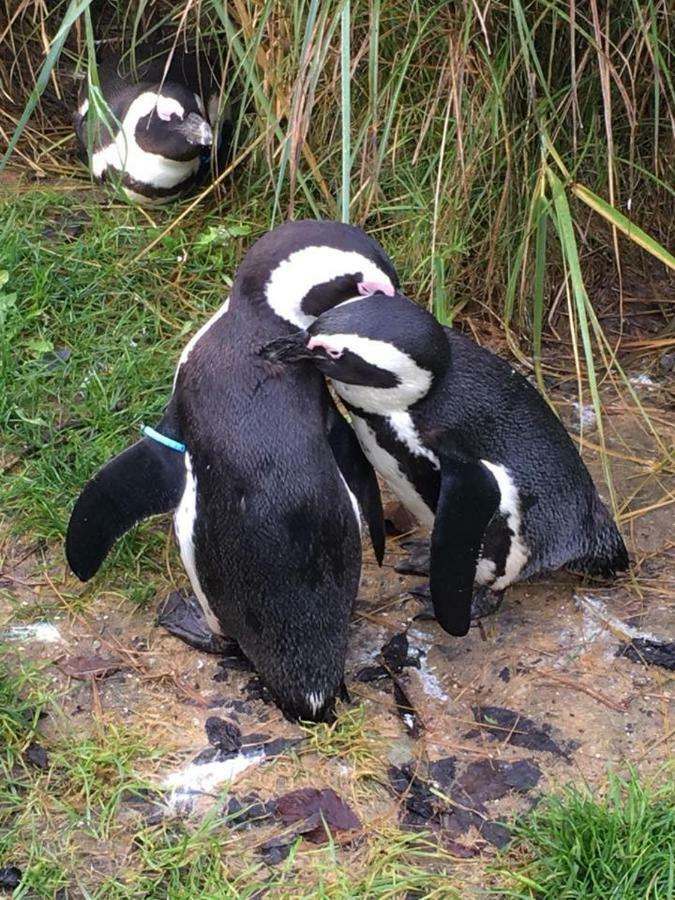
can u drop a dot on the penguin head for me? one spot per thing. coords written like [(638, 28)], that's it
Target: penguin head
[(301, 269), (169, 121), (384, 356)]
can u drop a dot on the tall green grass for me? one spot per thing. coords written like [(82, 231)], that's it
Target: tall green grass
[(506, 154)]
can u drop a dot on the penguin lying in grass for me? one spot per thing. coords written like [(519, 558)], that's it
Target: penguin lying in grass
[(259, 470), (152, 129), (467, 444)]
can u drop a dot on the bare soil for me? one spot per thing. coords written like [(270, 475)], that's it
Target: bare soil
[(549, 655)]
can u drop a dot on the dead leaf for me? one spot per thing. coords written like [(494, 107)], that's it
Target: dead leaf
[(84, 667), (312, 807)]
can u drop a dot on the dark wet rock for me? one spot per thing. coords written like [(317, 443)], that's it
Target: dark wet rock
[(478, 783), (648, 652), (313, 811), (486, 780), (280, 745), (371, 673), (37, 756), (522, 775), (86, 667), (495, 833), (396, 653), (406, 711), (421, 807), (505, 674), (276, 850), (182, 616), (225, 736), (249, 811), (256, 690), (213, 754), (237, 706), (255, 738), (10, 877), (443, 771), (511, 727)]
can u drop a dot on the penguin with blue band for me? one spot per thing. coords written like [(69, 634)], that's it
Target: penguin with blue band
[(467, 444), (151, 128), (265, 494)]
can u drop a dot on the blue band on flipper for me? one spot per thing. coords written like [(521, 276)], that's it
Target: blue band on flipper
[(163, 439)]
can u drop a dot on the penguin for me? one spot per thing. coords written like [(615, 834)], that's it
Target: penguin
[(467, 444), (262, 473), (153, 131)]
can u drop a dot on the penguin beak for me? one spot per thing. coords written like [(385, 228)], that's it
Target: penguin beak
[(288, 349), (196, 130)]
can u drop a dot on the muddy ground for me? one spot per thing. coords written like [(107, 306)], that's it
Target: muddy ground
[(541, 683)]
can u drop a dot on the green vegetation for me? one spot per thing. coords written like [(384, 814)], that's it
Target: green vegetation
[(513, 157), (621, 847)]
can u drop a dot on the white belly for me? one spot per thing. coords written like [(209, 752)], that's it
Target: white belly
[(184, 523), (388, 467)]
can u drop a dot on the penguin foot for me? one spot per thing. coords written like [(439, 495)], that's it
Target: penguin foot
[(418, 560), (182, 617), (484, 602)]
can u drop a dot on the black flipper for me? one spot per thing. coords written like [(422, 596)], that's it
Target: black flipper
[(144, 480), (468, 499), (359, 475)]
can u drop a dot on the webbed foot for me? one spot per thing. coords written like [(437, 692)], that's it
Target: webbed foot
[(182, 617), (418, 560), (484, 602)]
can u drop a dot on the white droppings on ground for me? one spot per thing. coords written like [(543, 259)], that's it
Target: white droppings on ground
[(642, 380), (203, 778), (43, 632), (595, 610), (426, 673), (584, 415)]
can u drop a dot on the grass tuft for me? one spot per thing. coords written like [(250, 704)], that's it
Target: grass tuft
[(621, 847)]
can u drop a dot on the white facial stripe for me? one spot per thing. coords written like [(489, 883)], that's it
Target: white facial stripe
[(184, 523), (196, 337), (509, 507), (167, 107), (293, 278), (414, 381), (125, 155)]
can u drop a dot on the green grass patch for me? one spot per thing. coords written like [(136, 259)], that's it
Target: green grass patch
[(620, 847)]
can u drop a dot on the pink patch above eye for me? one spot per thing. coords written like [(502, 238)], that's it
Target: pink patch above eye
[(316, 343), (366, 288)]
